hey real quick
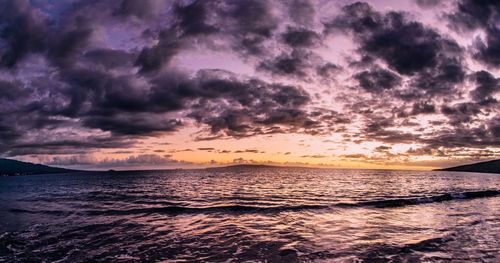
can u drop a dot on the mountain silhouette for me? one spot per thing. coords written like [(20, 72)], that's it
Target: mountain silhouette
[(13, 167), (482, 167)]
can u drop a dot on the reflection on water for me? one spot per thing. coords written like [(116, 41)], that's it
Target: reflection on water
[(245, 214)]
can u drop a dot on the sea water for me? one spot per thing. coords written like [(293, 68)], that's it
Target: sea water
[(251, 214)]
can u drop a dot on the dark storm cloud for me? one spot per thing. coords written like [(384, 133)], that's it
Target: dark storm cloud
[(97, 99), (133, 124), (253, 16), (26, 30), (487, 86), (328, 70), (377, 80), (489, 51), (494, 128), (359, 17), (141, 9), (10, 91), (461, 136), (392, 136), (245, 25), (461, 113), (115, 104), (301, 11), (461, 131), (153, 58), (109, 58), (103, 92), (431, 64), (67, 43), (253, 23), (297, 57), (299, 37), (22, 31), (9, 135), (441, 79), (384, 129), (253, 106), (193, 18), (294, 64), (216, 98), (470, 15), (423, 108), (80, 146), (364, 62), (406, 46), (245, 98), (20, 108), (94, 100)]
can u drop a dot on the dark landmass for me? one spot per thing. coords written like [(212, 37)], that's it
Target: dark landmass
[(482, 167), (10, 167)]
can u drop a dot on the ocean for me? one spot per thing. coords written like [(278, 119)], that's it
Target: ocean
[(251, 214)]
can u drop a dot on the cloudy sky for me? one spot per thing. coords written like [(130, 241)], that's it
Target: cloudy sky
[(154, 84)]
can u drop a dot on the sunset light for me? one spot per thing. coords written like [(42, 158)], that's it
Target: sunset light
[(249, 130)]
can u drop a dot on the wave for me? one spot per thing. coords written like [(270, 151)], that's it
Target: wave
[(45, 212), (422, 200), (179, 210), (174, 210), (210, 209)]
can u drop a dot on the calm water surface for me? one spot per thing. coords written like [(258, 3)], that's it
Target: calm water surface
[(251, 215)]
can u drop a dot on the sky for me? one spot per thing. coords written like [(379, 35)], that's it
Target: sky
[(152, 84)]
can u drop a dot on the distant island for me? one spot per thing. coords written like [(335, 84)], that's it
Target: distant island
[(10, 167), (258, 166), (244, 166), (482, 167)]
